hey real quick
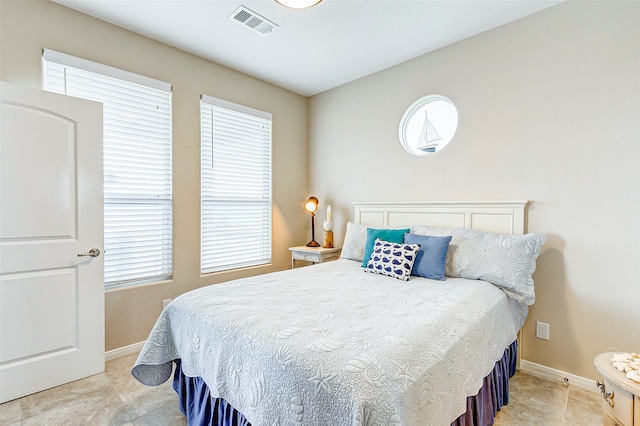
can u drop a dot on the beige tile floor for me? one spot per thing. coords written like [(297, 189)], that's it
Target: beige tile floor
[(116, 398)]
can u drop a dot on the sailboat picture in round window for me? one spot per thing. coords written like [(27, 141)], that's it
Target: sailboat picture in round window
[(428, 125)]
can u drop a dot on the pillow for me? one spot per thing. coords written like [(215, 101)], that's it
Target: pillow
[(354, 240), (392, 259), (431, 257), (505, 260), (390, 235)]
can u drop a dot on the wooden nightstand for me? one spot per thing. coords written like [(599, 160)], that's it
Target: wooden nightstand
[(313, 254), (621, 395)]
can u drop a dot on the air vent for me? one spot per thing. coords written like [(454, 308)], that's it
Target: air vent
[(249, 18)]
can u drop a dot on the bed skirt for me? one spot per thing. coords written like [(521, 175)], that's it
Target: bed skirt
[(201, 409)]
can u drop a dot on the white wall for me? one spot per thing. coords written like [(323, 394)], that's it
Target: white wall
[(549, 111)]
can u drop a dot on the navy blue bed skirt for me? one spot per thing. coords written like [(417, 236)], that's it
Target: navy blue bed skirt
[(494, 393), (201, 409)]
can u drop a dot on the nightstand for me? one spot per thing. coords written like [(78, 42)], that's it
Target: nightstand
[(313, 254), (621, 395)]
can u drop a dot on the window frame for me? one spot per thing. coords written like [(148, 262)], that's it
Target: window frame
[(146, 205), (249, 243)]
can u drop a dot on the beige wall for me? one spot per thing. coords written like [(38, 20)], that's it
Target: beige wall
[(29, 26), (549, 111)]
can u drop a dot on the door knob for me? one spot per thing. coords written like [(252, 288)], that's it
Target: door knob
[(94, 252)]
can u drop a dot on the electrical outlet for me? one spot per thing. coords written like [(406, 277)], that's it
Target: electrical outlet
[(165, 302), (542, 330)]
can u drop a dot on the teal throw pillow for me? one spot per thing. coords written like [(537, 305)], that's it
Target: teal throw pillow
[(389, 235)]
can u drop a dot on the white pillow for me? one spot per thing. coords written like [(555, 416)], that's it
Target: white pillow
[(354, 241), (392, 259), (505, 260)]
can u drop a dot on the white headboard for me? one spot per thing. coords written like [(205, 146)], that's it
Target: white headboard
[(504, 217)]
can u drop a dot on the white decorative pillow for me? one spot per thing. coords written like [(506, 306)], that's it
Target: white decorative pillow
[(392, 259), (505, 260), (354, 241)]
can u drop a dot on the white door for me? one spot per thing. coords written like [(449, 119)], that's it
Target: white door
[(51, 211)]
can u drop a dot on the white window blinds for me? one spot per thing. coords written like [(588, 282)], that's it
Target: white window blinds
[(137, 164), (235, 186)]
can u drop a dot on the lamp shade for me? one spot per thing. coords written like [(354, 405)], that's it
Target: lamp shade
[(311, 205), (298, 4)]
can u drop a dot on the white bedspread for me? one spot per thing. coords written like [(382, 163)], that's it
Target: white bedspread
[(331, 345)]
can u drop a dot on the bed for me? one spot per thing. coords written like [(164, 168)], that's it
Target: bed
[(331, 345)]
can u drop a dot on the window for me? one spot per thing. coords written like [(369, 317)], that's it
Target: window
[(235, 186), (137, 164), (428, 125)]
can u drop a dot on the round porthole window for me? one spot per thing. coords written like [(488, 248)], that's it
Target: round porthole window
[(428, 125)]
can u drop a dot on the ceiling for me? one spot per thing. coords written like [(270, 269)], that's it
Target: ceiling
[(310, 50)]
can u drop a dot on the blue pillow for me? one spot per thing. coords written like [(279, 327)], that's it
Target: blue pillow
[(432, 256), (389, 235)]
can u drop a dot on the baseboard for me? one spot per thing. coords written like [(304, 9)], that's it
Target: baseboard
[(123, 351), (557, 375)]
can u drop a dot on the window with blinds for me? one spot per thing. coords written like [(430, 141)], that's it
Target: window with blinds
[(137, 164), (235, 186)]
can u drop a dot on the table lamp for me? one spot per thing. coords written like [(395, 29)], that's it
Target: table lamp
[(312, 207)]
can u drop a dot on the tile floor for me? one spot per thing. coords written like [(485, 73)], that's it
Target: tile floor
[(116, 398)]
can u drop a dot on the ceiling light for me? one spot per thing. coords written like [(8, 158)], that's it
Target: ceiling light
[(298, 4)]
